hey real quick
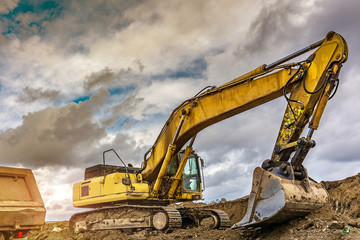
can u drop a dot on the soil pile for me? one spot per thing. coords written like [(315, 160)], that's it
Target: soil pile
[(52, 230), (339, 220), (235, 209), (345, 196)]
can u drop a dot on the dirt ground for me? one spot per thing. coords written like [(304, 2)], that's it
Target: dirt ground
[(339, 220)]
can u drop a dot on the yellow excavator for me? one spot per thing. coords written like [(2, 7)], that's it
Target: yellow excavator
[(125, 197)]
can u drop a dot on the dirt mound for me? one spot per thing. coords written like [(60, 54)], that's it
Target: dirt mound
[(339, 220), (52, 230), (345, 196), (235, 209)]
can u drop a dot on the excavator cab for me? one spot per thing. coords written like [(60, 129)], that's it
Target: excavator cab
[(191, 176)]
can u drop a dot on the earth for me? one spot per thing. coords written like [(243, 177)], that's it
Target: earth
[(340, 219)]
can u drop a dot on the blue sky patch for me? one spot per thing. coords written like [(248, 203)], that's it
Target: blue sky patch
[(43, 12), (81, 99), (112, 91), (121, 90), (120, 122), (194, 69)]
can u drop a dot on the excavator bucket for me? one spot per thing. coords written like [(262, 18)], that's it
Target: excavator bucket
[(276, 199)]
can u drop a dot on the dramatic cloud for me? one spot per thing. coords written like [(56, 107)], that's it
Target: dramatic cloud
[(33, 94), (54, 136), (277, 23), (131, 106), (81, 77), (8, 5), (109, 78)]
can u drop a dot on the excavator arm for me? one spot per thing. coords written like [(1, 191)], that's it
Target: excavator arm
[(281, 188), (321, 71), (309, 83)]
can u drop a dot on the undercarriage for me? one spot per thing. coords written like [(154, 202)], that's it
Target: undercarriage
[(137, 217)]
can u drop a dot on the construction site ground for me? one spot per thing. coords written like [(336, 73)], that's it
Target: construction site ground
[(338, 220)]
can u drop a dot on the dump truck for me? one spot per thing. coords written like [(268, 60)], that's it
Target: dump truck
[(21, 206)]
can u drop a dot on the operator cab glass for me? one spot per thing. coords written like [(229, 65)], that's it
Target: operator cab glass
[(191, 174)]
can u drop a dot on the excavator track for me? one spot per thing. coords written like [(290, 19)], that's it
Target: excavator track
[(211, 218), (224, 219), (136, 217), (126, 217), (168, 219)]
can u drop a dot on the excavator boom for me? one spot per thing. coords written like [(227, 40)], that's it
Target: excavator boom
[(248, 91), (281, 187)]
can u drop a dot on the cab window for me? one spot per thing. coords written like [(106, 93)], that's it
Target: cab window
[(191, 175)]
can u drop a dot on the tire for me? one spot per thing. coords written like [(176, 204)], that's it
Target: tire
[(3, 236)]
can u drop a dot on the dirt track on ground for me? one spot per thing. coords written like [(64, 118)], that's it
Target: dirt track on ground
[(339, 220)]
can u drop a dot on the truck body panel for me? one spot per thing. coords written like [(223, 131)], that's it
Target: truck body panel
[(21, 205)]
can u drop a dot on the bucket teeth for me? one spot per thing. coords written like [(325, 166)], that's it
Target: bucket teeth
[(275, 199)]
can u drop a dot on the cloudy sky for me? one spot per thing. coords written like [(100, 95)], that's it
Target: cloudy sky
[(80, 77)]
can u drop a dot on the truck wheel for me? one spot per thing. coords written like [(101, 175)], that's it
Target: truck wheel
[(2, 236)]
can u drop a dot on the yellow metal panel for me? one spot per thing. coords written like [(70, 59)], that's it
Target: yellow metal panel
[(331, 51), (76, 192), (116, 197), (189, 196), (109, 189), (95, 187)]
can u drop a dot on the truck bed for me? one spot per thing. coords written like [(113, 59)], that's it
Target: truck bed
[(21, 205)]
